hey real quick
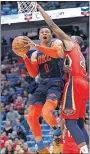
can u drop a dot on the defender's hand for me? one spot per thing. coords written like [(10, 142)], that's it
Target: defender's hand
[(38, 6)]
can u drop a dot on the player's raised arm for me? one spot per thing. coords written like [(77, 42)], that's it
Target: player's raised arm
[(58, 32)]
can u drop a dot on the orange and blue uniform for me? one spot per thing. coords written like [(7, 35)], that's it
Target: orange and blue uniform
[(45, 98), (51, 82)]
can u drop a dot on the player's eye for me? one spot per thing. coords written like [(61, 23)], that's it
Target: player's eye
[(46, 31), (42, 32)]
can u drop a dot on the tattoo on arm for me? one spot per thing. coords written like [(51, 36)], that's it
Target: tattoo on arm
[(52, 24)]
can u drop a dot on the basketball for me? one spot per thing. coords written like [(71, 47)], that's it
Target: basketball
[(18, 46)]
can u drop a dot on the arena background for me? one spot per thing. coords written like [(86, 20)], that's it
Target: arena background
[(16, 84)]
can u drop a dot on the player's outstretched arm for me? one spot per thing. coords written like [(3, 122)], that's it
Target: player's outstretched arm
[(31, 65), (55, 51), (58, 32)]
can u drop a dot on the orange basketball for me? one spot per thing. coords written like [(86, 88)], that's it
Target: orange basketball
[(18, 46)]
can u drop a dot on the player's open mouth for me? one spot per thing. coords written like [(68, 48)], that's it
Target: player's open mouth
[(44, 37)]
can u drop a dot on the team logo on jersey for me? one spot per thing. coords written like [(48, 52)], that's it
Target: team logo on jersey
[(52, 94), (68, 111), (43, 59)]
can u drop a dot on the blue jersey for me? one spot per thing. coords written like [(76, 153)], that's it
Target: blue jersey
[(49, 67)]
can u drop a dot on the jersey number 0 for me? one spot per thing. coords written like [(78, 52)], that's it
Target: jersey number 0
[(46, 67)]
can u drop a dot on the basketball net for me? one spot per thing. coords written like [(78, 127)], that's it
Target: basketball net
[(27, 8)]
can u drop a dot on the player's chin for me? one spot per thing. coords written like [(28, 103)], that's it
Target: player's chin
[(45, 40)]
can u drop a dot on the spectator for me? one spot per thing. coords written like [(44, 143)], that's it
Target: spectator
[(18, 103), (12, 115), (9, 149), (11, 90), (16, 142), (20, 130), (25, 93), (21, 111), (3, 77), (20, 61), (8, 129), (82, 35), (24, 122), (3, 41), (15, 68), (3, 139), (25, 97), (19, 150), (23, 72), (25, 147), (5, 93), (18, 83), (24, 83), (3, 113), (10, 40), (75, 31), (6, 60), (7, 108)]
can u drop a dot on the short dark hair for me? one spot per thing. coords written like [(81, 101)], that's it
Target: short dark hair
[(79, 40), (44, 27)]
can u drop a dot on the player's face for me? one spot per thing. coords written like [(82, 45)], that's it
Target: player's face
[(45, 35)]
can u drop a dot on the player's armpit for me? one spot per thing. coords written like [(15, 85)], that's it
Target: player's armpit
[(52, 52), (32, 67), (68, 45)]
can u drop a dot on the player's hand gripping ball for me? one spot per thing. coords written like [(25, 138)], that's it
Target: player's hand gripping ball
[(18, 46)]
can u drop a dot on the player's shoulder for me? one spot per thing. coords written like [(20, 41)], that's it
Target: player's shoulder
[(35, 53), (57, 42)]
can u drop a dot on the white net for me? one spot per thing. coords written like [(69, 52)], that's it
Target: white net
[(27, 8)]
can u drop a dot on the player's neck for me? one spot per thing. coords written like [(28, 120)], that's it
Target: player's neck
[(44, 44)]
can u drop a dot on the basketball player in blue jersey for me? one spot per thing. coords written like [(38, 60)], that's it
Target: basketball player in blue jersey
[(45, 98)]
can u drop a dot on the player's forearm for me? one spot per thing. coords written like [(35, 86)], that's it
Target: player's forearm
[(32, 68), (58, 32), (48, 51)]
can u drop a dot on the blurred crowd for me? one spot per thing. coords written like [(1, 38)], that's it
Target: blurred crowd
[(17, 88), (16, 91), (11, 7)]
